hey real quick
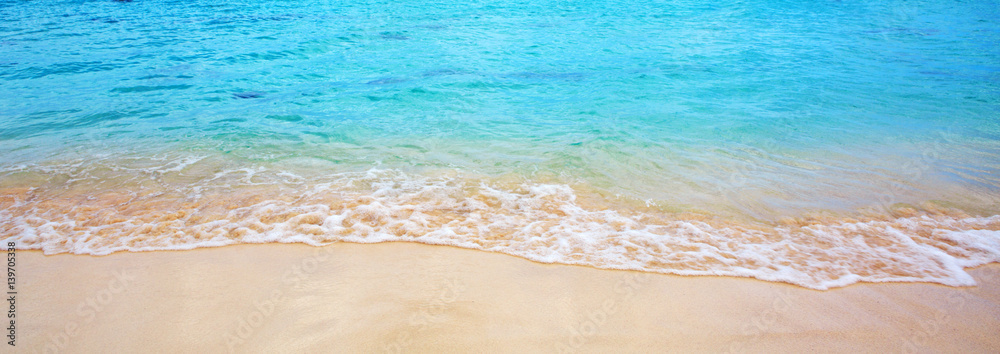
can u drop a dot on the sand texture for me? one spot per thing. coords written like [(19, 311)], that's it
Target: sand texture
[(405, 297)]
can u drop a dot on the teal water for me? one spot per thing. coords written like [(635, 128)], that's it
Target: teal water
[(751, 110)]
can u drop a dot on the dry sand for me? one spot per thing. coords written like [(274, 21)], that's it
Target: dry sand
[(403, 297)]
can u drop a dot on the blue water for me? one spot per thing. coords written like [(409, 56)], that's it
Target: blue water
[(754, 110), (576, 87)]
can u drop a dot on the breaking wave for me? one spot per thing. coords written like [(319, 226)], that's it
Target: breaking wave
[(550, 223)]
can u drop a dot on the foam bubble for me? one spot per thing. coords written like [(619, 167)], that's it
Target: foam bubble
[(541, 222)]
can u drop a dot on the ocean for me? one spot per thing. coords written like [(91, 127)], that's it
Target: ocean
[(813, 143)]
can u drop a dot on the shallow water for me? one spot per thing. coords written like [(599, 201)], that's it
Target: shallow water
[(818, 144)]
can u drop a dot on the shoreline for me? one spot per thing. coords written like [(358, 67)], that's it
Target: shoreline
[(402, 297), (549, 223)]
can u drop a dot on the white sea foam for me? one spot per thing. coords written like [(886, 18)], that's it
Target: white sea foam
[(542, 222)]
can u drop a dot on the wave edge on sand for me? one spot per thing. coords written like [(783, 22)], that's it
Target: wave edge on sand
[(549, 223)]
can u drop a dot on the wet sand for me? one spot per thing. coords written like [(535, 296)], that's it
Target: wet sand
[(406, 297)]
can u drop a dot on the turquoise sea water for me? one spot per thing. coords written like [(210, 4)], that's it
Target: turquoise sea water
[(745, 113)]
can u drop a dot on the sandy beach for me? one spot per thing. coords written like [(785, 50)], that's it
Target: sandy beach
[(506, 176), (405, 297)]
